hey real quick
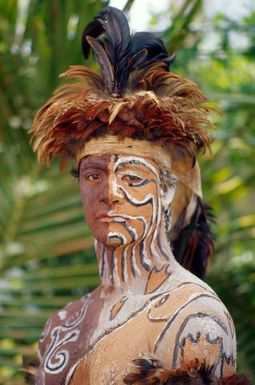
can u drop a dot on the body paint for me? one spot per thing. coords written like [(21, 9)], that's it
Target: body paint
[(147, 304)]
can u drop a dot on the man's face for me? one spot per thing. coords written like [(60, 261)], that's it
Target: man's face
[(120, 196)]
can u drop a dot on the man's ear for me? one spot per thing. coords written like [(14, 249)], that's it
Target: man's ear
[(168, 191)]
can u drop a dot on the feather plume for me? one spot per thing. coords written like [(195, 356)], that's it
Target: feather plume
[(194, 245), (118, 52), (103, 60)]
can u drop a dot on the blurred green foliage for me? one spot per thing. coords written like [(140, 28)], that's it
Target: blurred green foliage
[(46, 250)]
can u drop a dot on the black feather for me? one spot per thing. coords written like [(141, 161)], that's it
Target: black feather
[(194, 245), (116, 28), (146, 364), (113, 23), (123, 51), (154, 45), (103, 60), (93, 29)]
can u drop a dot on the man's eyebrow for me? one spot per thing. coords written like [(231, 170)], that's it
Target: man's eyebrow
[(142, 164), (95, 163), (138, 165), (131, 162)]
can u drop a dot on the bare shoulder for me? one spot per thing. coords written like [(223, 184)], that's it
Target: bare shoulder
[(195, 326), (65, 319), (60, 336)]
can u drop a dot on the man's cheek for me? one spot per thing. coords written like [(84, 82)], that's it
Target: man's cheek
[(88, 198)]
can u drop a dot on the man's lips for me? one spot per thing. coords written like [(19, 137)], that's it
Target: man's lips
[(110, 217)]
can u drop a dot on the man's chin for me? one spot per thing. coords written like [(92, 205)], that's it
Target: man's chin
[(109, 241), (112, 240)]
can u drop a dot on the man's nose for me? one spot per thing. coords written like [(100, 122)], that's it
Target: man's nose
[(115, 193), (110, 192)]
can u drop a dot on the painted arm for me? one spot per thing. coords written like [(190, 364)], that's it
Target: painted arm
[(195, 344)]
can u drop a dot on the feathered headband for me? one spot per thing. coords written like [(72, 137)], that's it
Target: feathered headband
[(135, 96)]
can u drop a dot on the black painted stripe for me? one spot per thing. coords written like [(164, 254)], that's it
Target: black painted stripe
[(161, 248), (132, 234), (150, 200), (187, 319), (176, 315)]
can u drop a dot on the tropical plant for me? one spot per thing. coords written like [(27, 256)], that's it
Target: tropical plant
[(41, 218)]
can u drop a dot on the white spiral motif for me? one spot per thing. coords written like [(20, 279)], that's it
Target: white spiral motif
[(57, 355), (55, 360)]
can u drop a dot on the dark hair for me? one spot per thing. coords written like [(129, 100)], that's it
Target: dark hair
[(75, 171)]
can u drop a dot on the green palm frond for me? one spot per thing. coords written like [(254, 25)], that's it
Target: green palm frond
[(41, 223)]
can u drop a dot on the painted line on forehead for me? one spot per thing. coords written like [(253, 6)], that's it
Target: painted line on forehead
[(121, 160), (112, 161), (112, 186)]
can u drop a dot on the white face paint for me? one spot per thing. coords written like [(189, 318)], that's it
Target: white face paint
[(138, 199), (125, 200)]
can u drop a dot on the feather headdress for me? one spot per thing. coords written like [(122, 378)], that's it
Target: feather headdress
[(135, 96)]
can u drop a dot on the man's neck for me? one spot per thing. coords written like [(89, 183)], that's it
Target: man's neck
[(129, 267)]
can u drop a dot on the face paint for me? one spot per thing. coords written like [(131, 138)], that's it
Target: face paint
[(134, 184), (121, 197), (124, 202)]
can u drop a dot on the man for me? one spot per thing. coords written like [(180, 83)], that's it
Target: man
[(133, 132)]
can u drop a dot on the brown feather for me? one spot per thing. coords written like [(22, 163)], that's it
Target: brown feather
[(148, 371), (60, 126), (237, 379)]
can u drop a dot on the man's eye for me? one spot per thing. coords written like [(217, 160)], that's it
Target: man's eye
[(92, 177), (132, 180)]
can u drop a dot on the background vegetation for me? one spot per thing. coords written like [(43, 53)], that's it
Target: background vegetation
[(46, 255)]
